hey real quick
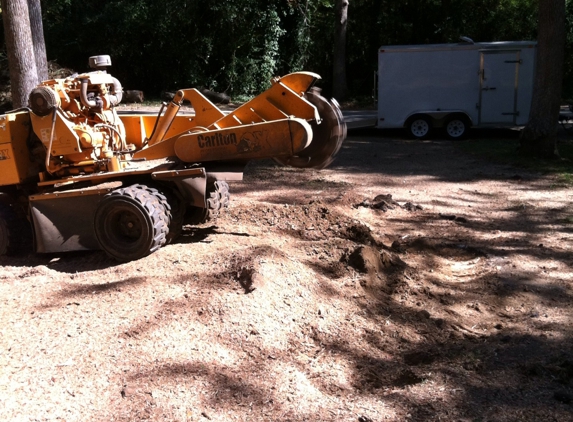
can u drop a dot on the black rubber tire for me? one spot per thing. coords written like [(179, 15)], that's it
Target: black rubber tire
[(15, 232), (222, 189), (176, 216), (174, 209), (419, 127), (131, 223), (457, 127), (218, 198)]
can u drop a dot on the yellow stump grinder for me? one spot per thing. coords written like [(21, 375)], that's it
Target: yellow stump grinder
[(77, 175)]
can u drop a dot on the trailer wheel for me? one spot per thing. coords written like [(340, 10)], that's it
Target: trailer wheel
[(457, 127), (419, 127), (130, 223)]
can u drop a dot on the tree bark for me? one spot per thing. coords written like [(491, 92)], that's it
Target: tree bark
[(37, 27), (539, 138), (340, 87), (20, 49)]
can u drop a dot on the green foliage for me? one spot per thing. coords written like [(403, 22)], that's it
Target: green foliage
[(226, 45), (238, 45)]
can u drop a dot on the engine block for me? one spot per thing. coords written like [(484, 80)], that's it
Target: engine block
[(76, 121)]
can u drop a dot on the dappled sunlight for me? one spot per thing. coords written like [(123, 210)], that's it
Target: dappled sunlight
[(379, 288)]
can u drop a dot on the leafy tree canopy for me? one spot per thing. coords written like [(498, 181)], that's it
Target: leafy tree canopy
[(238, 45)]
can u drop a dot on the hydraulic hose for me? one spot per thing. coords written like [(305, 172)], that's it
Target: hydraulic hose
[(116, 93), (84, 95), (52, 131)]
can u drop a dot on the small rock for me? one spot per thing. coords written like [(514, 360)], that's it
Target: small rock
[(385, 197), (127, 391), (408, 206), (382, 205), (364, 419), (423, 314), (366, 204), (498, 326)]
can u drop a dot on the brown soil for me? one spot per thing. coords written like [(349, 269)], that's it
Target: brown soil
[(406, 282)]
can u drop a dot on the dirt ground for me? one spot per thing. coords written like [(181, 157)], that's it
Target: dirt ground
[(408, 281)]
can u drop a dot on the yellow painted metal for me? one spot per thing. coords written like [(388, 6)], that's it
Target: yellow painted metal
[(267, 113), (161, 150), (65, 139), (138, 127), (15, 164), (165, 121), (205, 111), (300, 82), (278, 138), (284, 98)]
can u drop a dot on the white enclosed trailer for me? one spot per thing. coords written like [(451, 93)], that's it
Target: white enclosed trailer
[(455, 86)]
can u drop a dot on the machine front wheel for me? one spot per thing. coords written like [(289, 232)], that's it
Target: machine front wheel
[(130, 223)]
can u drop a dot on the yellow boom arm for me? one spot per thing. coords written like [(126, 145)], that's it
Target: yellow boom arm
[(273, 124)]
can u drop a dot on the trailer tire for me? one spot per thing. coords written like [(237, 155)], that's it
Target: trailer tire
[(130, 223), (457, 127), (419, 127)]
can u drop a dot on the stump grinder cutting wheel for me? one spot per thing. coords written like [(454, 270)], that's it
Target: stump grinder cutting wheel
[(81, 176), (327, 136)]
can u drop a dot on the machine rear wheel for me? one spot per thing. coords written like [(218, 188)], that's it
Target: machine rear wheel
[(327, 136), (131, 223), (218, 198)]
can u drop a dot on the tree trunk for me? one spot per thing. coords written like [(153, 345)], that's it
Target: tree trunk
[(339, 88), (539, 138), (20, 49), (35, 12)]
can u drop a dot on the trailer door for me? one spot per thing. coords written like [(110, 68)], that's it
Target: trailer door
[(499, 75)]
